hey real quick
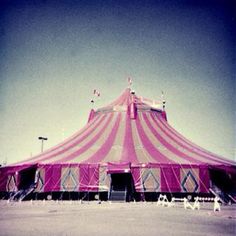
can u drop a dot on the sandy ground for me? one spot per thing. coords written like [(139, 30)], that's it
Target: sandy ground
[(91, 218)]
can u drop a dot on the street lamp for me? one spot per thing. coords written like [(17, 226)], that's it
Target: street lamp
[(42, 139)]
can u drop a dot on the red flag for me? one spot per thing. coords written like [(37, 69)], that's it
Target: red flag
[(96, 93), (129, 81)]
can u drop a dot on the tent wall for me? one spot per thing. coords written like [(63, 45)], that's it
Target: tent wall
[(70, 178), (171, 179), (96, 178)]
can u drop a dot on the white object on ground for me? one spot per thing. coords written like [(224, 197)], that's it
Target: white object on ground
[(216, 204)]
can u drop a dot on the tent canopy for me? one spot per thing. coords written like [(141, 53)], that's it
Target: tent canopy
[(130, 135)]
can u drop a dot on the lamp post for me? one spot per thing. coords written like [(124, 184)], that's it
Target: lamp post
[(42, 139)]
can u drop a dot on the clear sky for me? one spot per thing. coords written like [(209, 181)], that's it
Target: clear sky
[(54, 53)]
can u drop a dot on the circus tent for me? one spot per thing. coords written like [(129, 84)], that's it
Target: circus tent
[(128, 140)]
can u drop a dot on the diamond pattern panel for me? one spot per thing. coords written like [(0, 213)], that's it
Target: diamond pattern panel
[(190, 180), (11, 184), (69, 179), (151, 180)]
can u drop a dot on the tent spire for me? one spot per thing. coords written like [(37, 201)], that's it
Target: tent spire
[(130, 81), (163, 100), (97, 94)]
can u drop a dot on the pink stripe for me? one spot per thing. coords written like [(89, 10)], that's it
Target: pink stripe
[(120, 100), (174, 138), (105, 148), (117, 101), (73, 144), (87, 145), (125, 98), (158, 156), (142, 155), (128, 152), (84, 131), (89, 178), (83, 177), (186, 143), (167, 145), (136, 174)]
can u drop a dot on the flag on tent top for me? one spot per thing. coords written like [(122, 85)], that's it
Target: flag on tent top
[(163, 99), (96, 93), (129, 81), (162, 94)]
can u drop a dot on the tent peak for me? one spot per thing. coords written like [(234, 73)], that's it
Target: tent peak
[(131, 103)]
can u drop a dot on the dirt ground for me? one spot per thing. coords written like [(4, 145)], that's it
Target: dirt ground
[(90, 218)]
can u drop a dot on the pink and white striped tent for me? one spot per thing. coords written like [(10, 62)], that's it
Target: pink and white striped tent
[(130, 135)]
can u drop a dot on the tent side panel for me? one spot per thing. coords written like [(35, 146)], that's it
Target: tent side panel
[(137, 177), (89, 178), (93, 178), (52, 178), (83, 177), (170, 179), (204, 179)]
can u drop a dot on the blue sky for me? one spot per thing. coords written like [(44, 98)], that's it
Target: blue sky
[(54, 53)]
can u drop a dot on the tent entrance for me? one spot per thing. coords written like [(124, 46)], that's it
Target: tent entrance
[(26, 183), (122, 187), (27, 177), (224, 183)]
